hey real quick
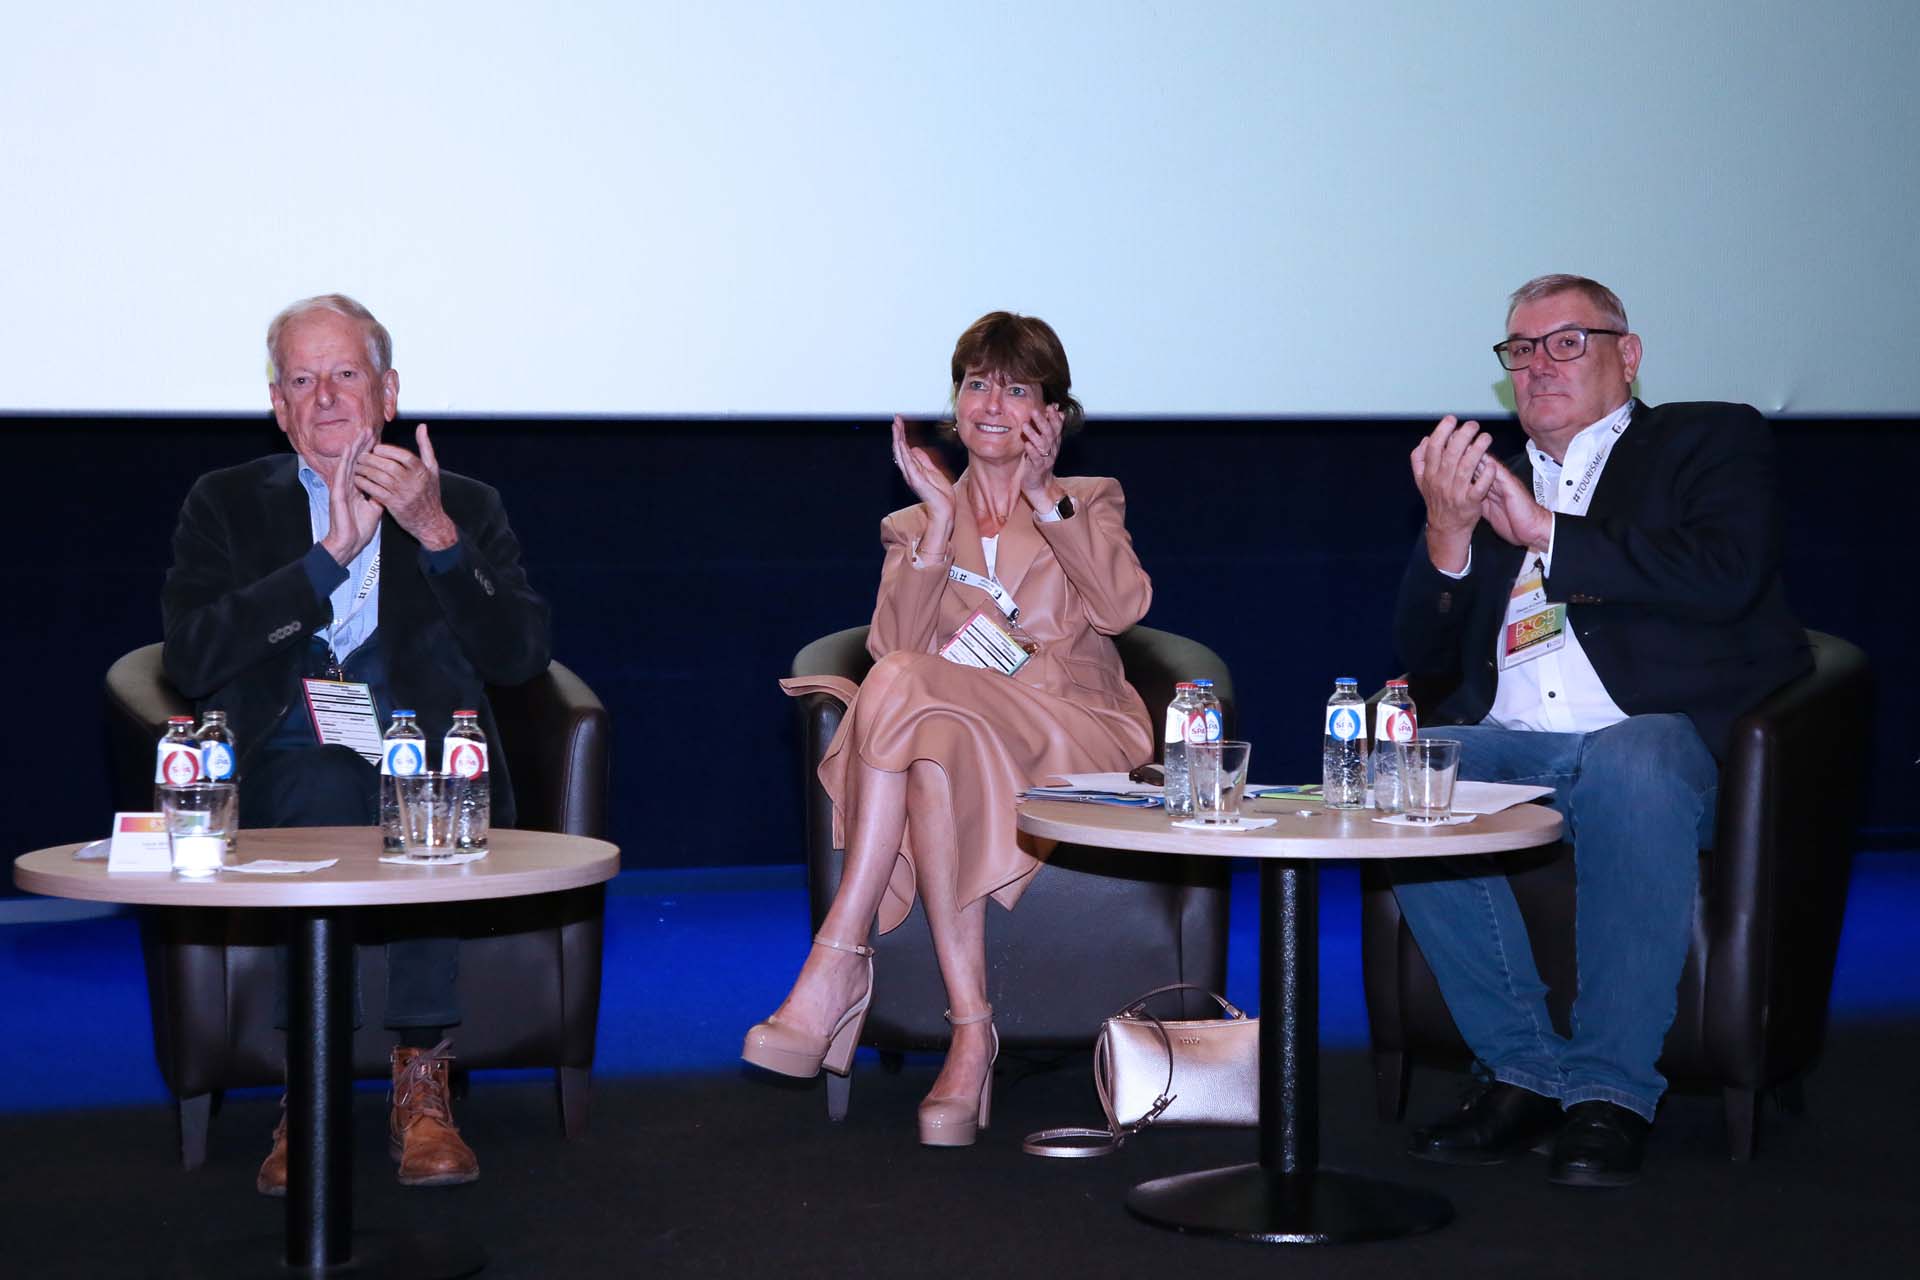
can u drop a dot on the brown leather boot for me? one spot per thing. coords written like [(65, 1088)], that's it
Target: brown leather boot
[(272, 1179), (421, 1133)]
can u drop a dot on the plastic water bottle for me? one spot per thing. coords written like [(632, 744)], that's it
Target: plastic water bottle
[(403, 753), (463, 754), (218, 763), (176, 761), (1178, 791), (1394, 721), (1343, 752)]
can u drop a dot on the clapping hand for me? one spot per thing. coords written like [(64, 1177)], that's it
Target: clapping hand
[(408, 486), (1453, 473), (1041, 440), (353, 516), (922, 474), (1513, 513)]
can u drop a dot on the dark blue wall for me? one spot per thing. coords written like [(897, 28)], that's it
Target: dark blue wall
[(688, 561)]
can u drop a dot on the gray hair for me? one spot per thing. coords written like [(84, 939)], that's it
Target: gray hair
[(379, 341), (1598, 294)]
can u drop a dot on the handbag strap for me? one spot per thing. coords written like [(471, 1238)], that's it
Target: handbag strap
[(1072, 1143), (1134, 1008)]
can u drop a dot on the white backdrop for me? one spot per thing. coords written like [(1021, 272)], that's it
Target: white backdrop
[(1246, 207)]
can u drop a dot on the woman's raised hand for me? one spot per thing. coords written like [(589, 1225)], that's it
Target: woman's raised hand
[(928, 482), (1041, 438)]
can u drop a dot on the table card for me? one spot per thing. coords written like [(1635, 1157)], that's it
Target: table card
[(139, 843)]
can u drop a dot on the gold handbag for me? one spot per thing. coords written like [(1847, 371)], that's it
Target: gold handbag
[(1204, 1072)]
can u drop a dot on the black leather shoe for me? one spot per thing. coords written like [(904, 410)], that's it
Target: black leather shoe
[(1495, 1123), (1602, 1145)]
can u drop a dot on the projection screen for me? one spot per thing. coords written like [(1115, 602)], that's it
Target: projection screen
[(1241, 208)]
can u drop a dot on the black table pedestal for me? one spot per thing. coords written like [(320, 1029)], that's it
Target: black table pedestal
[(319, 1238), (1287, 1198)]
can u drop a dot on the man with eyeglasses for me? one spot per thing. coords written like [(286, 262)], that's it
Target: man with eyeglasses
[(1604, 607)]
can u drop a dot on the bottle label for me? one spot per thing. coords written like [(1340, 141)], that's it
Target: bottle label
[(177, 764), (1346, 722), (1176, 725), (464, 758), (403, 758), (216, 762), (1196, 726), (1394, 724), (1213, 724)]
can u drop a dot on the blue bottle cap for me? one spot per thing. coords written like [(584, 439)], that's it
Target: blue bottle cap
[(1347, 680), (402, 711), (1204, 684)]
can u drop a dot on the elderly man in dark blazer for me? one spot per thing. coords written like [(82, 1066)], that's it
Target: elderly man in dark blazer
[(356, 561), (1603, 607)]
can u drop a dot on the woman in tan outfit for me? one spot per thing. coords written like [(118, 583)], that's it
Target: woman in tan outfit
[(931, 754)]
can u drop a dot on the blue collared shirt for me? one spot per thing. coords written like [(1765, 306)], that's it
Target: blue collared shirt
[(352, 623)]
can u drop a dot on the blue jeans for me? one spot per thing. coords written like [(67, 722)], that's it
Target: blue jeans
[(1638, 802)]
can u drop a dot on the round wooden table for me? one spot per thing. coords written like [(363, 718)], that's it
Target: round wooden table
[(1287, 1197), (319, 1235)]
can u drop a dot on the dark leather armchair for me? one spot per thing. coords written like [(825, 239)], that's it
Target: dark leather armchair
[(1096, 927), (1753, 997), (529, 967)]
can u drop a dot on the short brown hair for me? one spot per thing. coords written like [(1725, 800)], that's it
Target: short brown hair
[(1546, 286), (1023, 349)]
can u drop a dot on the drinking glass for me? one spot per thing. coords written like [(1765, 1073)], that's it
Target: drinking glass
[(1428, 767), (428, 804), (201, 819), (1219, 772)]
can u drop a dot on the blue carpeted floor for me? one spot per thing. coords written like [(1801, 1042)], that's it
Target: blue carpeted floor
[(694, 957)]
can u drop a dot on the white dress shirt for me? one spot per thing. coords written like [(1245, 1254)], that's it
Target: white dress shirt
[(1560, 692)]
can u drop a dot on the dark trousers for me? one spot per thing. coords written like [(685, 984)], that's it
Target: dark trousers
[(336, 787)]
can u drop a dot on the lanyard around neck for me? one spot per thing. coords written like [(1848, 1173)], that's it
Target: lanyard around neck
[(1001, 596), (1583, 492)]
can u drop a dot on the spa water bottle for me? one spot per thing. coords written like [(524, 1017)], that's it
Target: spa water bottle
[(403, 753), (463, 755), (1209, 713), (1178, 790), (176, 760), (1343, 751), (217, 760), (1394, 721)]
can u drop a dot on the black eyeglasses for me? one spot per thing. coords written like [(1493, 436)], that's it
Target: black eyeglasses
[(1561, 345)]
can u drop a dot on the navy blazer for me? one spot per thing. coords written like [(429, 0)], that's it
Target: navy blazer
[(239, 612), (1671, 580)]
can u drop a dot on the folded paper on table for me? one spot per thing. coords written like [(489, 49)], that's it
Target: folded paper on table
[(1492, 797), (279, 866), (1074, 795), (1111, 783), (446, 860)]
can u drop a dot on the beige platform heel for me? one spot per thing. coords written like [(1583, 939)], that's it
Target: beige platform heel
[(955, 1122), (793, 1052)]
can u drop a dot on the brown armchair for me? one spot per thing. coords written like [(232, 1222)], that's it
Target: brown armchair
[(1096, 927), (529, 967), (1753, 996)]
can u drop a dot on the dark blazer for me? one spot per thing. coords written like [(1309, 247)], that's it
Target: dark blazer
[(1672, 580), (239, 611)]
